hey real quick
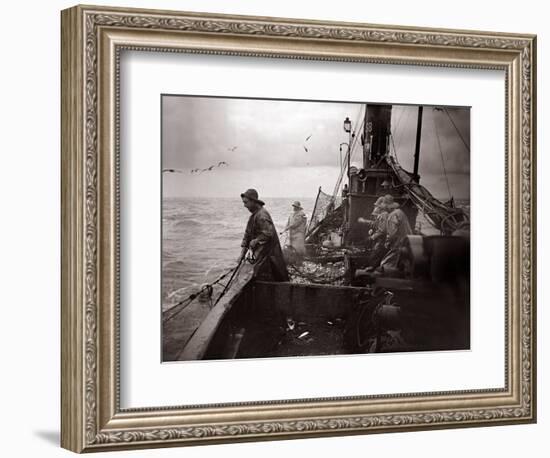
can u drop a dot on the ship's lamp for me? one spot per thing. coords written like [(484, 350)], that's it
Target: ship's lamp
[(347, 125)]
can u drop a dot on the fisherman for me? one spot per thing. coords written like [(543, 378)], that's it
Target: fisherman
[(296, 227), (260, 244), (378, 225), (377, 233), (345, 191), (386, 185), (398, 228)]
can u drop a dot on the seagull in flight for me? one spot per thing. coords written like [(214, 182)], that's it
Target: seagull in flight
[(306, 149), (233, 148), (308, 137), (171, 171)]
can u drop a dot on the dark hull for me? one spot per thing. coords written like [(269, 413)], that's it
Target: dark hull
[(268, 319)]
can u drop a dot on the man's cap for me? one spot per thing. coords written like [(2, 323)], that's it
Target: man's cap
[(252, 194), (390, 204), (380, 202)]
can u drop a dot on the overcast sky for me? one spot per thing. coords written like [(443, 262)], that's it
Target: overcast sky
[(264, 142)]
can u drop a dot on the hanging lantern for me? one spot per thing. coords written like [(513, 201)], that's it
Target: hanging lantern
[(347, 125)]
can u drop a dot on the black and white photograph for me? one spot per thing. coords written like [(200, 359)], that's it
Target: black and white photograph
[(275, 229), (298, 228)]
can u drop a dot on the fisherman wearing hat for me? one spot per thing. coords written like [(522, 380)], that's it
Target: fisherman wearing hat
[(398, 223), (377, 232), (386, 185), (296, 227), (260, 243), (398, 228), (378, 226)]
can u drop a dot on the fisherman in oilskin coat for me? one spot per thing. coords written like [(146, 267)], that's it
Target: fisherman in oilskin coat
[(377, 233), (398, 228), (296, 227), (260, 242)]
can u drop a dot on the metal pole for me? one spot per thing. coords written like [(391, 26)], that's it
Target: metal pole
[(313, 213), (417, 147), (347, 207), (349, 159), (366, 152)]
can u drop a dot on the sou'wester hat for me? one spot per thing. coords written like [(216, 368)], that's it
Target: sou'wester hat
[(380, 202), (390, 204), (297, 204), (252, 194), (379, 206)]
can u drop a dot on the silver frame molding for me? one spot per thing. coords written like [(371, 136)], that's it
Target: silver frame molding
[(92, 39)]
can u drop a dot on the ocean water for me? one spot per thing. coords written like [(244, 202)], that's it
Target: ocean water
[(201, 239)]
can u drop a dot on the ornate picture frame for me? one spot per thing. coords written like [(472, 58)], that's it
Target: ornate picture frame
[(92, 41)]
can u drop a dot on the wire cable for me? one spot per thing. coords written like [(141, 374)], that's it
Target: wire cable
[(345, 161), (457, 131), (442, 158), (176, 309), (235, 271), (398, 123), (400, 140)]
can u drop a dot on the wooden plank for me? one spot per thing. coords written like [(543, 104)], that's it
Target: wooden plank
[(198, 342)]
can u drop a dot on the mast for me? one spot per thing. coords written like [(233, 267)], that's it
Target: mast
[(365, 140), (377, 131), (417, 147)]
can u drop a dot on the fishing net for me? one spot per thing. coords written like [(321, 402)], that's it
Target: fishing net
[(326, 206), (445, 217)]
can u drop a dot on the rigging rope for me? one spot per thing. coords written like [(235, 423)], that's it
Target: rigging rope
[(394, 150), (354, 141), (187, 301), (344, 163), (405, 122), (312, 213), (226, 287), (398, 123), (435, 211), (442, 158), (350, 153), (457, 131)]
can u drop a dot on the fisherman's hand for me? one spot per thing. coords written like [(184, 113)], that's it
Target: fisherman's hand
[(250, 256), (362, 220)]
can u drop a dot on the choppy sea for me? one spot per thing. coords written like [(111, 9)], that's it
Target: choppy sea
[(201, 238)]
